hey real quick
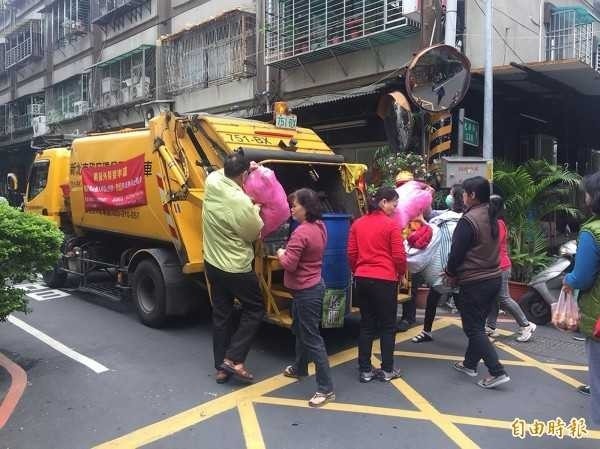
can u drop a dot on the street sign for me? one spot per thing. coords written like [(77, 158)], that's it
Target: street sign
[(471, 132)]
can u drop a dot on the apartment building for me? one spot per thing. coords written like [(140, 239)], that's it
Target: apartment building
[(74, 66)]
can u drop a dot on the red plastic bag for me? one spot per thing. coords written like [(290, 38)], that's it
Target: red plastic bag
[(565, 312), (263, 187), (421, 237)]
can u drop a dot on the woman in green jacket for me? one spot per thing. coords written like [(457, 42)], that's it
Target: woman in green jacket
[(586, 277)]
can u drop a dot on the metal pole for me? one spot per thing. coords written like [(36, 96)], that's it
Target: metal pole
[(451, 13), (461, 131), (488, 102), (541, 29)]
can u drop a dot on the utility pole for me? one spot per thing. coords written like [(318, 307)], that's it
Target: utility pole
[(451, 13), (488, 102)]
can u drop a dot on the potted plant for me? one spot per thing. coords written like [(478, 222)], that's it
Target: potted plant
[(532, 192)]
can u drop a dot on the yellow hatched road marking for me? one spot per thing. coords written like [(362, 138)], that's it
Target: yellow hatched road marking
[(540, 365), (250, 426), (345, 407)]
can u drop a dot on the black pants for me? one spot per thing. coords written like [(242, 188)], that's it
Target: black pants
[(307, 308), (433, 299), (474, 302), (230, 343), (409, 308), (378, 309)]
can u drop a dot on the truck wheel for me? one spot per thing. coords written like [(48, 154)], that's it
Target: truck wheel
[(56, 278), (536, 309), (149, 294)]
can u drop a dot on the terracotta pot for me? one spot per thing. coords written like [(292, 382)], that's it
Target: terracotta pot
[(421, 299), (517, 289)]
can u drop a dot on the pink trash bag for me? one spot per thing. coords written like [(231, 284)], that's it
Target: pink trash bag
[(263, 187), (414, 198), (565, 312)]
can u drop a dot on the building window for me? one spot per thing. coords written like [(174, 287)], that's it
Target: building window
[(68, 19), (24, 44), (215, 52), (118, 12), (68, 100), (127, 79)]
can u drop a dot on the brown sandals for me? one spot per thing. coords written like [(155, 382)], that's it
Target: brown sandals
[(238, 371)]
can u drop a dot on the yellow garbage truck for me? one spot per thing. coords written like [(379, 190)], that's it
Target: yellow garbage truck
[(130, 205)]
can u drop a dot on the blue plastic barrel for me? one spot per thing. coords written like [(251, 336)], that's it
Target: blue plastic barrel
[(336, 272)]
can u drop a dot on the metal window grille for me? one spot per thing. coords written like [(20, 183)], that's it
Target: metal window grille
[(301, 27), (68, 99), (569, 38), (24, 43), (212, 53), (23, 110), (128, 79), (68, 19)]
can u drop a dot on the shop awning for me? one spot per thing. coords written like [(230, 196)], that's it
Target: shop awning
[(548, 77), (120, 57), (305, 102)]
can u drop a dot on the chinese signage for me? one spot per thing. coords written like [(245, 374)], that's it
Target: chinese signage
[(116, 186), (471, 132)]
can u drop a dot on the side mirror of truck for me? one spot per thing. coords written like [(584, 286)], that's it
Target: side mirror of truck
[(12, 182)]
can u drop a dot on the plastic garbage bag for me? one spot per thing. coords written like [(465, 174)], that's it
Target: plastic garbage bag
[(263, 187), (413, 199), (417, 259)]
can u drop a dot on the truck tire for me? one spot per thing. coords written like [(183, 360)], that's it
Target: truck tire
[(149, 294), (56, 278), (535, 308)]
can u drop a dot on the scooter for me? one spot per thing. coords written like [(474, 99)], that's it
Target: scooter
[(544, 288)]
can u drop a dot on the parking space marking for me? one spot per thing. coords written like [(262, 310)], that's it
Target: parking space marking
[(245, 399), (17, 386), (250, 426), (58, 346)]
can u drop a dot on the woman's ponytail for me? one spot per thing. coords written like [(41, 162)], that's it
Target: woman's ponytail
[(495, 210)]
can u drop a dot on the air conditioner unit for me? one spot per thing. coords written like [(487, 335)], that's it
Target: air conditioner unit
[(81, 107), (109, 99), (140, 90), (77, 26), (35, 109), (125, 94), (40, 126), (110, 85)]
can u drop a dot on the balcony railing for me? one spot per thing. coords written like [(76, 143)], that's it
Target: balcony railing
[(300, 31), (24, 43)]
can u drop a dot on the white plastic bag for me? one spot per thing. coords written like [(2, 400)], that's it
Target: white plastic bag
[(418, 259)]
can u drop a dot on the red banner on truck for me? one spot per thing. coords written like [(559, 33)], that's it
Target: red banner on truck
[(114, 186)]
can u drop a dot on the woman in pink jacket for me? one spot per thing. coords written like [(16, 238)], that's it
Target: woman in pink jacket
[(302, 260)]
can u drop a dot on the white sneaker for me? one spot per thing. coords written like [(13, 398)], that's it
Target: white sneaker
[(320, 399), (492, 332), (527, 332)]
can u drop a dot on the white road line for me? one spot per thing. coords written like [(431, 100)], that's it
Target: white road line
[(57, 345)]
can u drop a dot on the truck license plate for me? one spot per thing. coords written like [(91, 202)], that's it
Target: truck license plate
[(286, 121)]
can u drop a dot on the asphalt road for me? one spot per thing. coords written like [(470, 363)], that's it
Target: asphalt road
[(125, 385)]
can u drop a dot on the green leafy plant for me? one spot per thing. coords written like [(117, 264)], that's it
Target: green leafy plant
[(386, 165), (533, 192), (29, 244)]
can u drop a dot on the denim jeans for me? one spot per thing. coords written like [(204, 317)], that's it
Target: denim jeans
[(474, 303), (378, 307), (307, 307), (506, 303)]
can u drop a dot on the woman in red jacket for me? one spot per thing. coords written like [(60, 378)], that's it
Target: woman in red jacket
[(377, 260)]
